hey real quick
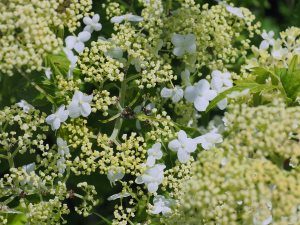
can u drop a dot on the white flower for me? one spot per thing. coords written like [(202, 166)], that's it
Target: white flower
[(29, 168), (114, 52), (80, 105), (61, 165), (235, 11), (184, 146), (63, 148), (185, 77), (176, 94), (127, 17), (48, 73), (221, 82), (268, 40), (152, 177), (77, 43), (154, 154), (263, 214), (238, 94), (119, 195), (55, 119), (26, 107), (183, 44), (209, 140), (73, 60), (92, 24), (162, 205), (115, 175), (200, 94), (278, 51)]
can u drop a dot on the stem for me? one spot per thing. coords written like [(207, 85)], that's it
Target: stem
[(10, 160), (119, 121), (38, 88)]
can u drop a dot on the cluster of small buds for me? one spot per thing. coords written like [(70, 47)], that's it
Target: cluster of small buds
[(73, 11), (103, 101), (215, 50), (26, 31), (22, 131), (98, 65), (88, 199), (251, 174), (274, 52)]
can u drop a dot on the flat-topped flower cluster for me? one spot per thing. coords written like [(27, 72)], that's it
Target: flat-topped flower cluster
[(129, 105)]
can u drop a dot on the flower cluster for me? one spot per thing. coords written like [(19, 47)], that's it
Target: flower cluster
[(251, 175), (28, 34)]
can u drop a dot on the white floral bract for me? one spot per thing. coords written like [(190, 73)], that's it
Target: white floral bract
[(200, 94), (63, 148), (55, 119), (176, 94), (184, 146), (77, 43), (268, 40), (48, 73), (127, 17), (152, 177), (235, 11), (80, 105), (119, 195), (209, 140), (278, 52), (92, 24), (26, 107), (154, 153), (183, 44), (115, 175), (161, 205), (221, 82)]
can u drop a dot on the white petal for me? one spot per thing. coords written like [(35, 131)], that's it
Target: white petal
[(210, 94), (152, 187), (182, 136), (97, 27), (74, 110), (96, 18), (177, 39), (50, 119), (56, 124), (117, 19), (88, 28), (87, 98), (264, 45), (190, 94), (84, 36), (87, 20), (166, 92), (70, 42), (134, 18), (86, 109), (178, 51), (177, 96), (79, 47), (222, 104), (203, 86), (150, 161), (183, 156), (174, 145), (201, 104)]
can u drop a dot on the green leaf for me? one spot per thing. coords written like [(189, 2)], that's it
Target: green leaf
[(252, 86), (290, 79), (291, 84), (19, 219), (262, 74)]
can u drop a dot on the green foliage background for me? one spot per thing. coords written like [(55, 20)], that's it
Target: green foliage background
[(274, 15)]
